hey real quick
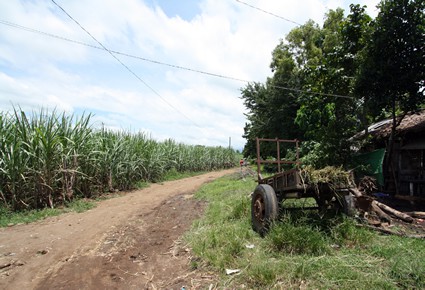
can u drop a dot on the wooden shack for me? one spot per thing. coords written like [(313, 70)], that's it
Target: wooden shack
[(404, 169)]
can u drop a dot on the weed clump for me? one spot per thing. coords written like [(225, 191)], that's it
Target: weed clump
[(301, 239)]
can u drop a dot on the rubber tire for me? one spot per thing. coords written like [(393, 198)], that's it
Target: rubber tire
[(348, 205), (264, 208), (344, 204)]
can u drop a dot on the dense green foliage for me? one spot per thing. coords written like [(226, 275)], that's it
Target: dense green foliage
[(302, 250), (392, 75), (332, 81), (49, 158)]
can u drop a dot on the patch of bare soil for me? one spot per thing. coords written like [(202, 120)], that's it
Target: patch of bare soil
[(146, 252), (130, 242)]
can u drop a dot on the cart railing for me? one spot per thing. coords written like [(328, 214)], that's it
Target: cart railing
[(278, 161)]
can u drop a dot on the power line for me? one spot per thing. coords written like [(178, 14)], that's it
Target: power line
[(314, 93), (46, 33), (161, 63), (267, 12), (8, 23), (124, 65)]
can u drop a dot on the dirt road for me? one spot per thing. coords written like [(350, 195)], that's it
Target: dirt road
[(128, 242)]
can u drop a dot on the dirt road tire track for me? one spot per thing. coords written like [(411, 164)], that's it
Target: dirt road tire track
[(129, 242)]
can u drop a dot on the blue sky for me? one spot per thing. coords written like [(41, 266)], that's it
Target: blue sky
[(185, 9), (220, 37)]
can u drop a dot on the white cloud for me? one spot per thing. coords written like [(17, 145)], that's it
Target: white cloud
[(225, 38)]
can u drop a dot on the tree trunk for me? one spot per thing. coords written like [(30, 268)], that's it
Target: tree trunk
[(417, 214), (391, 145), (400, 215), (382, 215)]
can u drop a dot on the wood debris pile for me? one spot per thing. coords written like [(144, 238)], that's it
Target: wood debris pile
[(380, 216), (377, 215)]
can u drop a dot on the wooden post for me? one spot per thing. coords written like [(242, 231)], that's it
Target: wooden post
[(278, 154), (258, 159), (298, 152)]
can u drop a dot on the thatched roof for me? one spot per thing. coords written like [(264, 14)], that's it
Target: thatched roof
[(411, 123)]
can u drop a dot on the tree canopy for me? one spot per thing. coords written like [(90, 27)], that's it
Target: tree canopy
[(329, 82)]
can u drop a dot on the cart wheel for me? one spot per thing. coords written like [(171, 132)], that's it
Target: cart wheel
[(264, 208), (328, 205), (348, 204), (334, 206)]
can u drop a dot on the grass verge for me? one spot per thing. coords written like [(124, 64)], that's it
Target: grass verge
[(9, 218), (302, 249)]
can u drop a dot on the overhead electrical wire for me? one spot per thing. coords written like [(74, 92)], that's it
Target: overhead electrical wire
[(299, 24), (125, 66), (267, 12), (313, 93), (11, 24)]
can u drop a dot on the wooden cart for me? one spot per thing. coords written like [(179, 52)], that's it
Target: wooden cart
[(268, 196)]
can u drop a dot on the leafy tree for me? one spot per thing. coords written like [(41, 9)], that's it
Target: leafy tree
[(330, 118), (255, 97), (272, 108), (377, 66), (392, 75), (308, 62)]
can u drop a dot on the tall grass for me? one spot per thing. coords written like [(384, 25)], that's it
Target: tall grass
[(49, 158), (303, 250)]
